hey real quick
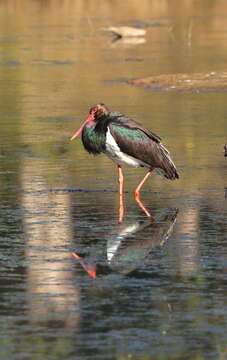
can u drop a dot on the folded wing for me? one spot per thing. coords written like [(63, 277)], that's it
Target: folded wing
[(136, 141)]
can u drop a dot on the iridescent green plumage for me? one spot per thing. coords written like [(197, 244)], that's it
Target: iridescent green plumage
[(130, 134), (94, 141)]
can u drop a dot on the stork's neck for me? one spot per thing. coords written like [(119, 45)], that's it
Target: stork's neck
[(94, 137), (102, 123)]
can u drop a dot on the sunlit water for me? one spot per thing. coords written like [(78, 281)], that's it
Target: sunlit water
[(160, 287)]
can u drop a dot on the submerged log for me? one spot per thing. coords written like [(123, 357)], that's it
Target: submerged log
[(212, 81)]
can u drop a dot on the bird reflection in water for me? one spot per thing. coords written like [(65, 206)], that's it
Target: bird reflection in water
[(130, 244)]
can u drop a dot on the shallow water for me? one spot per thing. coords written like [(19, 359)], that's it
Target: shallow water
[(160, 287)]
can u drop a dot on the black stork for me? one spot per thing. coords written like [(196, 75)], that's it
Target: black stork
[(127, 143)]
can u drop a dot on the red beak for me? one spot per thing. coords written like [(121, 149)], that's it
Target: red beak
[(79, 131), (90, 269)]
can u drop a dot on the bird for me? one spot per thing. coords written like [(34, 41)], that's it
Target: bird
[(225, 149), (126, 31), (127, 143)]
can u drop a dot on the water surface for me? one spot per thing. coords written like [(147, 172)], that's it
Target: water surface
[(160, 287)]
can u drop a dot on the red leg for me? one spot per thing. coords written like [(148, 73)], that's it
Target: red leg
[(137, 194), (121, 200)]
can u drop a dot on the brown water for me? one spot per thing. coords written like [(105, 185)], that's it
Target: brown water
[(160, 290)]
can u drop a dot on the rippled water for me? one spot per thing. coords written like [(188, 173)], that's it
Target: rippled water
[(139, 289)]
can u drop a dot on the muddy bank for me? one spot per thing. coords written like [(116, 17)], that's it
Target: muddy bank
[(212, 81)]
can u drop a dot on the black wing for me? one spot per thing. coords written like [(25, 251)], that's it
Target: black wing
[(136, 141), (131, 124)]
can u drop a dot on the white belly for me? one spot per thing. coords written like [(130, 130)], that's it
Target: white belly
[(114, 153)]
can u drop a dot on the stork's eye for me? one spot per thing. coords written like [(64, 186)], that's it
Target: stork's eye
[(93, 110), (99, 109)]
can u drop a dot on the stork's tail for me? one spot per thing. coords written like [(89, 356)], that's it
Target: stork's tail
[(168, 169), (171, 173)]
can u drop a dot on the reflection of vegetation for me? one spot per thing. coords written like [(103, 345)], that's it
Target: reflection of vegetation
[(35, 347)]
